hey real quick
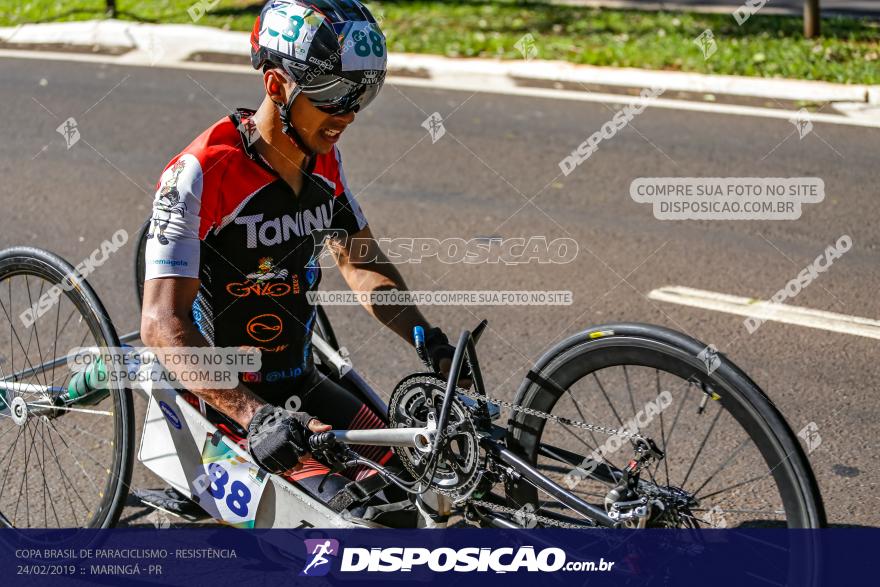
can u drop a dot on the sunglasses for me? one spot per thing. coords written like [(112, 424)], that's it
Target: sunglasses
[(336, 96)]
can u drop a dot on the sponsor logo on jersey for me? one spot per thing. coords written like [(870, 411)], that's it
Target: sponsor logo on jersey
[(273, 349), (172, 262), (265, 327), (168, 201), (275, 231), (267, 280), (271, 376)]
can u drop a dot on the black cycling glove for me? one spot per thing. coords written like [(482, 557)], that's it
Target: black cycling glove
[(438, 348), (277, 438)]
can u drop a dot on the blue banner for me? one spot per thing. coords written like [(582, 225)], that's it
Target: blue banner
[(220, 556)]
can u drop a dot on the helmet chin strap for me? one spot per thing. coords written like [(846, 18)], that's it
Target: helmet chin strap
[(287, 126)]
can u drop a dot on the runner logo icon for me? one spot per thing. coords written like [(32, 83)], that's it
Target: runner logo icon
[(318, 555)]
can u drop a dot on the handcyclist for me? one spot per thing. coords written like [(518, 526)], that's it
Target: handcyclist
[(231, 251)]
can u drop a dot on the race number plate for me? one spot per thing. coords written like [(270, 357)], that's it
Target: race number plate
[(291, 30), (231, 487), (363, 47)]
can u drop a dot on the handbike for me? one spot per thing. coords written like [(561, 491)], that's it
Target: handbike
[(620, 425)]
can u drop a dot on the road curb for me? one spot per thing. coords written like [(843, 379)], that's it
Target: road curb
[(174, 43)]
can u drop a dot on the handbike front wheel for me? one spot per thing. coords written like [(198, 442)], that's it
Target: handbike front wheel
[(70, 466), (730, 459)]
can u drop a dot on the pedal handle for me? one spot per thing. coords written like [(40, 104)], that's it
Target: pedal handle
[(421, 349), (322, 440)]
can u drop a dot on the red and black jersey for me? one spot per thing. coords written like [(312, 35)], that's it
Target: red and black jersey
[(222, 215)]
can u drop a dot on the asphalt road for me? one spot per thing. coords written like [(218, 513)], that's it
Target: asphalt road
[(496, 172)]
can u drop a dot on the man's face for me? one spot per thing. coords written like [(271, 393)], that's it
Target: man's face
[(319, 131)]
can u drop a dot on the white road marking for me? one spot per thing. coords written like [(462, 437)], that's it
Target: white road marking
[(476, 83), (764, 310)]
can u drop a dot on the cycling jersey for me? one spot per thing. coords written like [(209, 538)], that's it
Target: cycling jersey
[(222, 215)]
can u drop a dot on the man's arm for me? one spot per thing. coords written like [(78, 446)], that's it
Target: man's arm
[(165, 322), (365, 268)]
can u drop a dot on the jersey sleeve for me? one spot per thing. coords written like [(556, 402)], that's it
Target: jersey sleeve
[(173, 238), (347, 213)]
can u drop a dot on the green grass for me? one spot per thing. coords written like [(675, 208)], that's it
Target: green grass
[(765, 46)]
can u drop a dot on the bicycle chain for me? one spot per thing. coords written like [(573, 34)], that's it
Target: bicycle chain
[(544, 415), (537, 517)]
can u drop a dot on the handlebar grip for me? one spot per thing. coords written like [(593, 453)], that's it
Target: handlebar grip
[(322, 441), (421, 348)]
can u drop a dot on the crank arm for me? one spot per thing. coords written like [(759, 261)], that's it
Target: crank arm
[(421, 439)]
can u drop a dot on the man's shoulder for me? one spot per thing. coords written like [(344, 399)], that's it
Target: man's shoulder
[(215, 147), (220, 170)]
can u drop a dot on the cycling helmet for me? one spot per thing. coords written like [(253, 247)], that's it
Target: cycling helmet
[(333, 50)]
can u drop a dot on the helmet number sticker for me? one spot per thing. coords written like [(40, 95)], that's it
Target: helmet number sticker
[(290, 30), (363, 48)]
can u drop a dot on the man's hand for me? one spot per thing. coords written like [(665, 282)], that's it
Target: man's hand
[(278, 439), (316, 426), (440, 352)]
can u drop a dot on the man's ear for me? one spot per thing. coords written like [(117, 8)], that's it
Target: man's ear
[(276, 86)]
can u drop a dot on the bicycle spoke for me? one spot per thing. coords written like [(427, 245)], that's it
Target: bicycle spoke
[(740, 484), (662, 432), (23, 480), (720, 468), (79, 464), (672, 429), (27, 359), (37, 333), (584, 419), (739, 511), (55, 344), (46, 489), (11, 346), (632, 401), (34, 325), (607, 399), (702, 445), (10, 452), (577, 407), (605, 461), (64, 479)]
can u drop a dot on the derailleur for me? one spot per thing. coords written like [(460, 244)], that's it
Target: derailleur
[(624, 503)]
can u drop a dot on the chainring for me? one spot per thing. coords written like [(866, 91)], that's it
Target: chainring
[(458, 469)]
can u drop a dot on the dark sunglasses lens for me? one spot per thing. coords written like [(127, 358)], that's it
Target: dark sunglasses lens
[(355, 99)]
